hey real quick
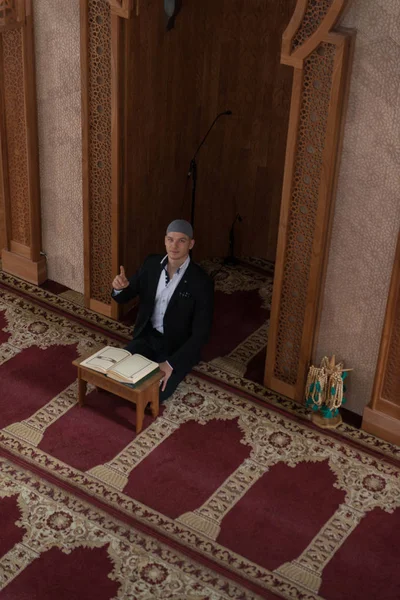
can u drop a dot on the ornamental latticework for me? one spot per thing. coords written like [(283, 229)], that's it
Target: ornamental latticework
[(315, 13), (99, 55), (318, 71), (7, 13), (14, 102)]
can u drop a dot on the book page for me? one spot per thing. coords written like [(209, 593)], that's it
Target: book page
[(134, 367), (105, 359)]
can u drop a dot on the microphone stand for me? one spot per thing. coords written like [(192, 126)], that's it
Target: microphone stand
[(231, 259), (193, 166)]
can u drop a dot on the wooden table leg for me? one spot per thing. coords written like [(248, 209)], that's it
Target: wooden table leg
[(140, 406), (155, 400), (82, 385)]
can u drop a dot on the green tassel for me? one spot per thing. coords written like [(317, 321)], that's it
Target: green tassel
[(326, 412)]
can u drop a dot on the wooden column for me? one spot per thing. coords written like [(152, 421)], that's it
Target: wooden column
[(19, 165), (103, 81), (382, 415), (321, 62)]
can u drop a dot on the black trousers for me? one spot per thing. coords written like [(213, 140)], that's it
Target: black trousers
[(151, 344)]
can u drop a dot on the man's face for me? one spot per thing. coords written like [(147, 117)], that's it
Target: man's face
[(178, 245)]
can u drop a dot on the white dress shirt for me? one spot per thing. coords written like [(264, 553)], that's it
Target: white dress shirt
[(165, 289)]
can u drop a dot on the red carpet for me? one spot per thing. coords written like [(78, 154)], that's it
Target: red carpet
[(223, 496)]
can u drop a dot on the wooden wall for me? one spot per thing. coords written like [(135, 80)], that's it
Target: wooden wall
[(222, 55), (2, 220), (382, 415)]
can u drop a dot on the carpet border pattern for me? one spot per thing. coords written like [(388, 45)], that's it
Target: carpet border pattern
[(369, 483)]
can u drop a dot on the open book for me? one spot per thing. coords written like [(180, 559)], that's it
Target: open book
[(121, 365)]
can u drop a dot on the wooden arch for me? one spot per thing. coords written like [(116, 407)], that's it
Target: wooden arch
[(320, 58), (321, 61)]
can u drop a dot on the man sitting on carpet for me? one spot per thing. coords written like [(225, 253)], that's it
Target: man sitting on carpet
[(175, 307)]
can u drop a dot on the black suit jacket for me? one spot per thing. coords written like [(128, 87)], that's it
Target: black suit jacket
[(188, 318)]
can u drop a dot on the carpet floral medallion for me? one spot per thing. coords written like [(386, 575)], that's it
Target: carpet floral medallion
[(124, 563), (230, 493)]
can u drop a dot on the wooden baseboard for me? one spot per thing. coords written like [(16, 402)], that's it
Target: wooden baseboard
[(108, 310), (20, 249), (280, 387), (33, 271), (381, 425)]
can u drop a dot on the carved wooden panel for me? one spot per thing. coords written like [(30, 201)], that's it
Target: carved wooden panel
[(391, 382), (19, 144), (12, 14), (321, 66), (101, 57), (14, 101), (99, 88), (302, 221), (8, 13), (314, 15), (382, 416), (387, 381), (3, 160)]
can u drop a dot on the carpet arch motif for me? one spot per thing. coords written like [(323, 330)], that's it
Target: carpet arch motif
[(142, 568), (367, 482)]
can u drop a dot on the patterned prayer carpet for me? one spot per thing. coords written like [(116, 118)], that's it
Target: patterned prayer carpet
[(57, 545), (230, 493), (243, 295)]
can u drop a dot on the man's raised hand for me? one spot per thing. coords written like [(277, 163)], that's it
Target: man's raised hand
[(120, 282)]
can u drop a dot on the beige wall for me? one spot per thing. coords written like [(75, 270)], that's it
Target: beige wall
[(367, 215), (57, 39)]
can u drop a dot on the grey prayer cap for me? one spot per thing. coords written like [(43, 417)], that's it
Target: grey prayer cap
[(180, 226)]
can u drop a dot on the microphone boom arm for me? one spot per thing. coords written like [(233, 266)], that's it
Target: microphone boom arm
[(193, 165), (227, 112)]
